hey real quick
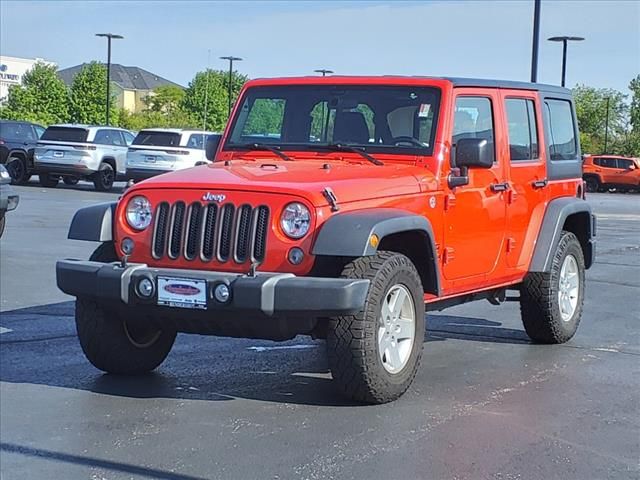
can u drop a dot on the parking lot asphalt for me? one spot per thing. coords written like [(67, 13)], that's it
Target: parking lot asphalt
[(486, 403)]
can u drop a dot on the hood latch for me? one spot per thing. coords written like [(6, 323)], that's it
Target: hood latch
[(331, 198)]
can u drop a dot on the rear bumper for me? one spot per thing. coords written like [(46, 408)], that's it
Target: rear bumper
[(137, 174), (76, 169), (272, 295)]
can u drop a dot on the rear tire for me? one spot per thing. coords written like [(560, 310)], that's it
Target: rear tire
[(103, 179), (374, 355), (70, 180), (551, 302), (3, 222), (17, 168), (593, 184), (115, 344), (48, 181)]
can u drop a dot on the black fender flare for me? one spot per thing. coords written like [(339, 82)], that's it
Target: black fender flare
[(94, 223), (348, 234), (555, 218)]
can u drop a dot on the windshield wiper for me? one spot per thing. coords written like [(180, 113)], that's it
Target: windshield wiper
[(270, 148), (339, 147)]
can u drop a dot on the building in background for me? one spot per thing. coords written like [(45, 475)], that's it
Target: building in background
[(130, 85), (11, 71)]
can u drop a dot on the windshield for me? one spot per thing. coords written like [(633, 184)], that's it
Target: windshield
[(157, 139), (379, 119), (65, 134)]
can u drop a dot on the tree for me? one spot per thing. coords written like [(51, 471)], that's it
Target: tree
[(166, 99), (634, 109), (88, 96), (591, 109), (210, 88), (41, 98)]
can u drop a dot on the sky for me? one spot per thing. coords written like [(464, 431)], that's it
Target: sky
[(487, 39)]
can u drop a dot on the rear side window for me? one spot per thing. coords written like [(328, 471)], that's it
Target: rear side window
[(157, 139), (108, 137), (16, 131), (65, 134), (473, 119), (197, 140), (606, 162), (562, 141), (128, 137), (523, 132)]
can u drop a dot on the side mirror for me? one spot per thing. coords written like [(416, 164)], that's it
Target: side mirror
[(211, 146), (474, 152)]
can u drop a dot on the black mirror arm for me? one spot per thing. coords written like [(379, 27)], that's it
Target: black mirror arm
[(458, 177)]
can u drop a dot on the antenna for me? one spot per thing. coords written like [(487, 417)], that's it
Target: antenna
[(206, 94)]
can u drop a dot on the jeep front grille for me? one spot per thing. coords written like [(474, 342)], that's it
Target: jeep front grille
[(210, 232)]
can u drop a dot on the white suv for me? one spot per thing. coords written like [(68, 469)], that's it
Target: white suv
[(75, 152), (160, 150)]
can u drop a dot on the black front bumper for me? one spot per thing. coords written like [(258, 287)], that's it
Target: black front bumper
[(138, 174), (266, 295)]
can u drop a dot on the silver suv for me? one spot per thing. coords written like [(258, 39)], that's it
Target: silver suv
[(159, 150), (74, 152)]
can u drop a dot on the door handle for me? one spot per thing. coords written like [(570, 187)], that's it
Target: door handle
[(539, 183), (500, 187)]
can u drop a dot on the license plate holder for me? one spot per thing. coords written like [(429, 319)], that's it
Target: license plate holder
[(150, 159), (182, 292), (58, 154)]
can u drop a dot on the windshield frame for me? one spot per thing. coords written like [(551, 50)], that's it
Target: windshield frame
[(320, 147)]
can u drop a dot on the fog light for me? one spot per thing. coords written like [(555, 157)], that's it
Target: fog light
[(127, 246), (222, 293), (145, 288), (295, 256)]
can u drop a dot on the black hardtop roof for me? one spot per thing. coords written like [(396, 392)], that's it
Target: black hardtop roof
[(485, 83)]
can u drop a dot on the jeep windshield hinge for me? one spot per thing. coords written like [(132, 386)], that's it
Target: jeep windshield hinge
[(331, 198)]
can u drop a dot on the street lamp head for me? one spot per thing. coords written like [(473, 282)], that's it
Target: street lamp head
[(323, 71), (109, 35), (565, 38), (231, 58)]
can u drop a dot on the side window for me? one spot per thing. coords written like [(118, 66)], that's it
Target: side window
[(128, 137), (117, 139), (473, 119), (196, 140), (102, 137), (39, 130), (523, 132), (608, 162), (597, 161), (562, 142), (625, 164)]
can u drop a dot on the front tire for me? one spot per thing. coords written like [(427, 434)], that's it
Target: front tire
[(18, 170), (374, 355), (551, 302), (103, 179), (115, 344)]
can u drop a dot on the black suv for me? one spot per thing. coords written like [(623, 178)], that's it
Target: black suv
[(17, 141)]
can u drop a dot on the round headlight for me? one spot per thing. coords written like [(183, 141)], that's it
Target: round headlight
[(139, 213), (295, 220)]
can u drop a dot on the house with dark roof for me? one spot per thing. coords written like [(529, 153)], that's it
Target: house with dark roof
[(130, 85)]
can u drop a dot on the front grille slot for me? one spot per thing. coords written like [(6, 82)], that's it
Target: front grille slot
[(210, 232), (160, 233), (226, 232), (193, 231), (177, 225)]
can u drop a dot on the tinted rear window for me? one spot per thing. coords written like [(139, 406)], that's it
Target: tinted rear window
[(16, 131), (65, 134), (157, 139)]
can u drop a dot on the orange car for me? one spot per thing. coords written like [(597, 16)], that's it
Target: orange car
[(601, 172), (342, 208)]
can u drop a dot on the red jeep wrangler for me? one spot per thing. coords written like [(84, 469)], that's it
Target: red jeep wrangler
[(341, 207)]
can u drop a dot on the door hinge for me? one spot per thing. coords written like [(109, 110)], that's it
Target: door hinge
[(449, 201), (448, 254), (511, 244)]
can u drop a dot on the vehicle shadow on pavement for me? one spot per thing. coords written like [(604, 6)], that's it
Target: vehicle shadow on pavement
[(42, 349)]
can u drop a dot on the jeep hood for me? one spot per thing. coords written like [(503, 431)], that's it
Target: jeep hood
[(305, 178)]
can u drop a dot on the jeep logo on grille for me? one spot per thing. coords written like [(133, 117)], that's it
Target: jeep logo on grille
[(214, 197)]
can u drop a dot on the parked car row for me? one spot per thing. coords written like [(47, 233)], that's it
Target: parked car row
[(98, 154)]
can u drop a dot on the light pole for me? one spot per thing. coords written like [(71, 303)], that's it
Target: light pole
[(109, 37), (606, 128), (324, 71), (565, 40), (231, 59), (535, 42)]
